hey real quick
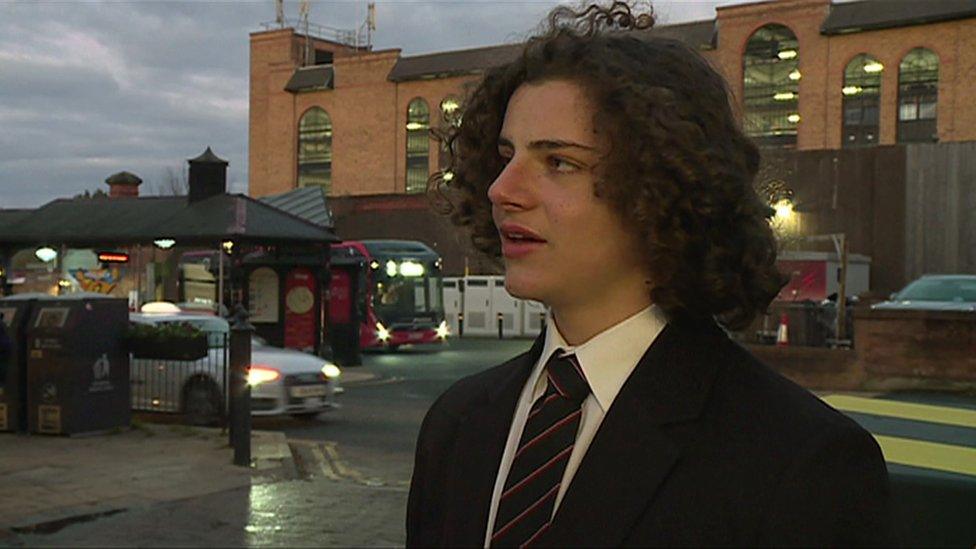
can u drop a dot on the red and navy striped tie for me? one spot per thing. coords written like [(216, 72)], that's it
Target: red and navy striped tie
[(526, 504)]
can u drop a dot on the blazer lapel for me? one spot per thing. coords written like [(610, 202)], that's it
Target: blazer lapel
[(482, 434), (630, 456)]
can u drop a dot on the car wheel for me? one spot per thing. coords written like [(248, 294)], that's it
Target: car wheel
[(201, 402)]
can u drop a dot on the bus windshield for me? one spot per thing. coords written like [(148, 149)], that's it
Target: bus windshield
[(405, 297)]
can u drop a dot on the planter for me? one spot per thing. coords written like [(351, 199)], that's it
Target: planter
[(172, 348)]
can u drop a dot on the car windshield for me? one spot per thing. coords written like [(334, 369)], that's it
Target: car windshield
[(959, 290)]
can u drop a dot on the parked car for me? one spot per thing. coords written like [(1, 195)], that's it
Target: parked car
[(934, 293), (283, 381)]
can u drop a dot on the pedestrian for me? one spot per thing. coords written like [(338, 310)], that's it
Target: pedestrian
[(606, 167)]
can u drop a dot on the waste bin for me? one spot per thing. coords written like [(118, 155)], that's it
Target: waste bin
[(77, 367), (16, 311)]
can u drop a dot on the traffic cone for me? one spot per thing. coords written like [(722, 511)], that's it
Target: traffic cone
[(783, 332)]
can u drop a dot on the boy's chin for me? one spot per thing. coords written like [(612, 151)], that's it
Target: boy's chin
[(517, 286)]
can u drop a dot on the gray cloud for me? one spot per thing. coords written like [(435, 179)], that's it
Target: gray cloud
[(91, 88)]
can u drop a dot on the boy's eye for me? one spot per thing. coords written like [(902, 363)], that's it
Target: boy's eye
[(560, 165)]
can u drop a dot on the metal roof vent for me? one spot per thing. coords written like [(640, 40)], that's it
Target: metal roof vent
[(208, 176)]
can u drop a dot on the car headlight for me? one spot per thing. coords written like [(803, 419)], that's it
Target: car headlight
[(257, 375), (443, 331), (331, 371)]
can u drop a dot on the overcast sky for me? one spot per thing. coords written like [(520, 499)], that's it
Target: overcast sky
[(88, 89)]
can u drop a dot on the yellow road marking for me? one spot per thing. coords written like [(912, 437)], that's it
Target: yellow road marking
[(929, 455), (904, 410)]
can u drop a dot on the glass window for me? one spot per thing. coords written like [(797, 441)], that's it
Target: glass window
[(418, 146), (451, 116), (771, 84), (918, 91), (315, 149), (862, 96)]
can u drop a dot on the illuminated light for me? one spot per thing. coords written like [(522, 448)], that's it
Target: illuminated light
[(164, 243), (873, 66), (411, 268), (784, 209), (784, 96), (794, 118), (851, 90), (415, 126), (448, 176), (786, 54), (331, 370), (160, 308), (450, 105), (382, 333), (374, 264), (443, 330), (155, 402), (228, 246), (46, 254), (113, 257), (257, 375), (438, 264), (391, 268), (64, 283), (795, 75)]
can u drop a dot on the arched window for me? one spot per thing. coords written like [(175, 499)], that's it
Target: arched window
[(771, 86), (918, 94), (418, 145), (862, 99), (315, 149), (451, 116)]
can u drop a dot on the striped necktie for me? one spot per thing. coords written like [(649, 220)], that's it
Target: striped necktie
[(526, 505)]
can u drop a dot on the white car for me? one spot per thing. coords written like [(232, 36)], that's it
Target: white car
[(283, 381)]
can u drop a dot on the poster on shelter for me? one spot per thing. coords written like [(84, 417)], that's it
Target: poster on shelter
[(101, 281), (263, 295)]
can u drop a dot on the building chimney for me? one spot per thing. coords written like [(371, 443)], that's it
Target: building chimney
[(123, 185), (208, 176)]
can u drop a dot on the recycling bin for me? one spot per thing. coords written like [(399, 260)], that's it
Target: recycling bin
[(78, 365), (16, 311)]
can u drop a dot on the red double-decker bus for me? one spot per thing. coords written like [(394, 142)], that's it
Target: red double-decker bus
[(391, 289)]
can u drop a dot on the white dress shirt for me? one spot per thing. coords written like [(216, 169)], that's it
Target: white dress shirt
[(607, 360)]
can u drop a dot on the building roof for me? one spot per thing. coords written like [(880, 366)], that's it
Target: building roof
[(453, 63), (319, 77), (883, 14), (77, 222), (308, 203), (700, 35)]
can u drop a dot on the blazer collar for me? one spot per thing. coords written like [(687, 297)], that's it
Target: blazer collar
[(631, 455)]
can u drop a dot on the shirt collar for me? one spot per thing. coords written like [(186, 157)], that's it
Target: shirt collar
[(608, 358)]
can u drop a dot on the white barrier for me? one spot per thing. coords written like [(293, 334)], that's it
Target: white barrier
[(509, 307), (533, 317), (478, 313), (452, 302)]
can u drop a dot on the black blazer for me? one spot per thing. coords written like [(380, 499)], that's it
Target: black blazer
[(704, 445)]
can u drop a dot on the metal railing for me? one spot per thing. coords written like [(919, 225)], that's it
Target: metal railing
[(170, 386)]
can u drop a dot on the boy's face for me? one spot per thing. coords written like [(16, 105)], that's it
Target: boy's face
[(561, 244)]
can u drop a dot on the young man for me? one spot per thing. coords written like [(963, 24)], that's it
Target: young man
[(607, 169)]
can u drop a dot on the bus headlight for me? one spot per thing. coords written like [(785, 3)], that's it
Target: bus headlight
[(382, 332), (331, 371), (443, 331)]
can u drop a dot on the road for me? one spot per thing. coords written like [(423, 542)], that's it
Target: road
[(372, 436)]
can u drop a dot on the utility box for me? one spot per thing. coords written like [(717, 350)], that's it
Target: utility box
[(78, 365), (510, 309), (533, 317), (479, 317), (16, 311), (453, 302)]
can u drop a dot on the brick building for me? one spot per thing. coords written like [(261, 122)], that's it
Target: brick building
[(807, 75)]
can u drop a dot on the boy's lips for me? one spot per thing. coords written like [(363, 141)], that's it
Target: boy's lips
[(519, 240)]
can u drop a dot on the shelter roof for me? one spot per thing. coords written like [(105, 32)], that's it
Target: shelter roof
[(883, 14), (308, 203), (142, 220)]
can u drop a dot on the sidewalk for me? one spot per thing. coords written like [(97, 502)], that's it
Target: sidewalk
[(50, 482)]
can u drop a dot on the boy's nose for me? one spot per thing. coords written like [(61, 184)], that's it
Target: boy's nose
[(508, 189)]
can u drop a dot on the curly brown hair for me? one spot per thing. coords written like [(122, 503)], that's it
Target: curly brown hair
[(680, 170)]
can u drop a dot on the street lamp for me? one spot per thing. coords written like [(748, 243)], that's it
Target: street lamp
[(46, 254), (164, 243)]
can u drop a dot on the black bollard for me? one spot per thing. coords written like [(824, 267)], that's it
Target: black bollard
[(460, 324), (500, 321), (240, 391)]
